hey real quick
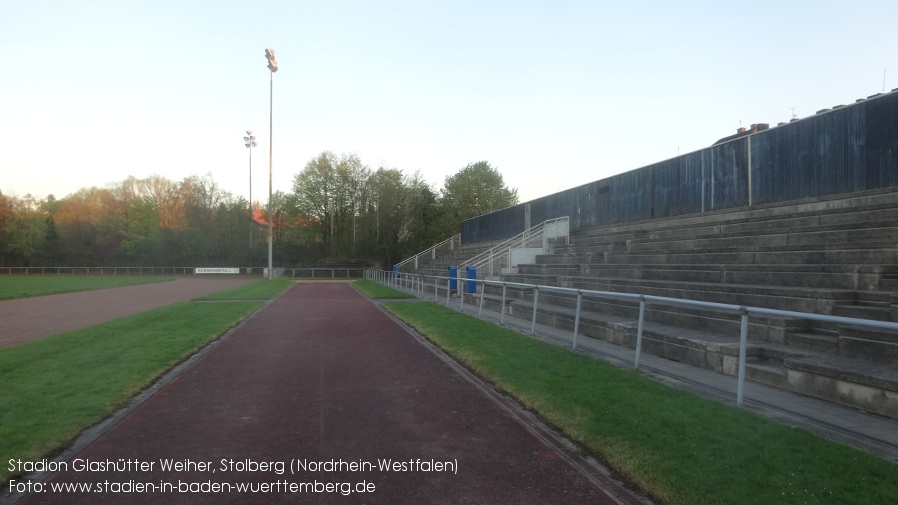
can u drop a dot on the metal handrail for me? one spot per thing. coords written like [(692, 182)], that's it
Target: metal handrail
[(432, 251), (521, 239), (418, 280)]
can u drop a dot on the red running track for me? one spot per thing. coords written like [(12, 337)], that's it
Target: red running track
[(320, 375)]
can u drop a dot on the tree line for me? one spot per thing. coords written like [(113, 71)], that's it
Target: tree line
[(338, 208)]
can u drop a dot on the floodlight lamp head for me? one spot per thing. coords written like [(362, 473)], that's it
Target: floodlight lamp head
[(272, 63), (249, 132)]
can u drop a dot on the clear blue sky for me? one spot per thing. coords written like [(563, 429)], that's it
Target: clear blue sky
[(553, 94)]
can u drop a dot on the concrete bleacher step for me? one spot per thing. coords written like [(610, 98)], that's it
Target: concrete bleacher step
[(877, 313), (820, 276), (767, 372), (884, 253), (797, 298), (814, 342), (875, 345), (877, 206)]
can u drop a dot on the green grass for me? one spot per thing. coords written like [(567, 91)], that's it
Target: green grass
[(377, 291), (55, 387), (260, 290), (23, 286), (678, 447)]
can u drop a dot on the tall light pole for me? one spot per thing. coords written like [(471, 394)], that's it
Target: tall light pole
[(250, 142), (273, 66)]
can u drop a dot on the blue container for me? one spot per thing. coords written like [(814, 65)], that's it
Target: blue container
[(395, 271), (453, 274), (471, 273)]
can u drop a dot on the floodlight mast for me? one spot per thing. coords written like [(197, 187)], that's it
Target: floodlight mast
[(250, 143), (273, 67)]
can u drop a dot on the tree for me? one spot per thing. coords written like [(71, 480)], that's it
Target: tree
[(314, 189), (328, 193), (26, 232), (475, 190), (385, 206)]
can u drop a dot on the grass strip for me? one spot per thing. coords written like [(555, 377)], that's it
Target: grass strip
[(678, 447), (24, 286), (55, 387), (377, 291), (264, 289)]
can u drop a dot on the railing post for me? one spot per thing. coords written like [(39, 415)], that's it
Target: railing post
[(577, 319), (491, 262), (448, 289), (436, 294), (743, 345), (461, 294), (639, 328), (535, 302), (482, 289), (502, 309)]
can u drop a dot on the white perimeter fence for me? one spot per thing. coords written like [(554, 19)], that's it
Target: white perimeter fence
[(316, 273), (420, 285)]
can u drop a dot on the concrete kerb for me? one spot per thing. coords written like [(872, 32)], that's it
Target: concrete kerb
[(92, 433)]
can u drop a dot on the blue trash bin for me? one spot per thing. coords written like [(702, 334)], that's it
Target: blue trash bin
[(471, 285), (453, 277), (395, 271)]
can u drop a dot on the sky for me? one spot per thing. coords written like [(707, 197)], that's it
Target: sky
[(552, 94)]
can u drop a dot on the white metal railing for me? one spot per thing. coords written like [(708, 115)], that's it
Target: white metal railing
[(416, 283), (449, 243), (521, 248), (100, 270)]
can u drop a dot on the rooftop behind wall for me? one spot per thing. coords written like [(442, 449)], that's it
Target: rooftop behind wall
[(848, 149)]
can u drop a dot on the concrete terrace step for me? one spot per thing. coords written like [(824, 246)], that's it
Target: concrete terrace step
[(858, 237), (796, 298), (814, 342), (884, 253), (653, 230), (822, 276), (854, 207)]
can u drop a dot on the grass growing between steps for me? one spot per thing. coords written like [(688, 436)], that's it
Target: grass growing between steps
[(264, 289), (675, 446), (55, 387), (377, 291), (23, 286)]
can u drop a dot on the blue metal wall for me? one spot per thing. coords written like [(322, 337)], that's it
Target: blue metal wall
[(853, 148)]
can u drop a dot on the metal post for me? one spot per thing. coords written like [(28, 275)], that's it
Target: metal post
[(461, 294), (502, 309), (743, 345), (270, 209), (491, 262), (448, 289), (535, 302), (639, 328), (482, 289), (577, 319)]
